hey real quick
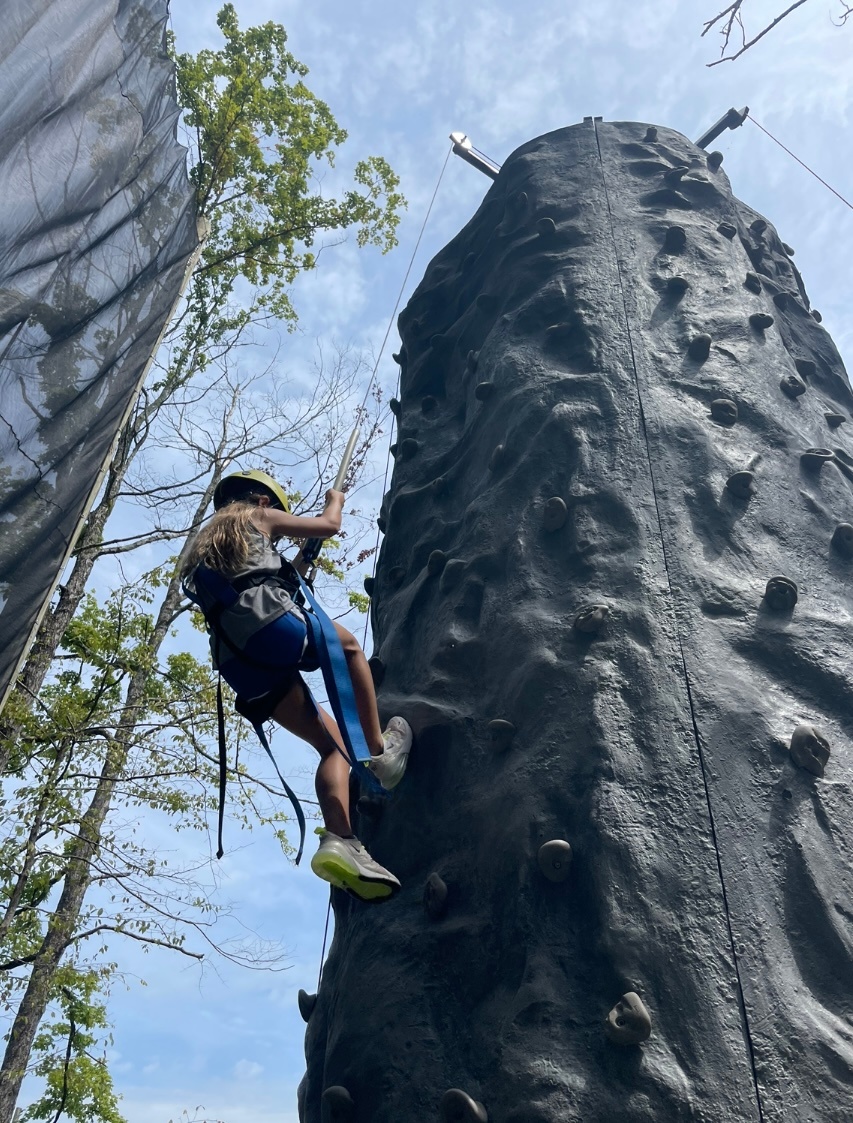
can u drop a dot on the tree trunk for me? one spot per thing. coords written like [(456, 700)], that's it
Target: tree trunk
[(563, 446), (64, 922)]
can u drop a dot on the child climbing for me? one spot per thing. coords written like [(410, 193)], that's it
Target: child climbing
[(260, 643)]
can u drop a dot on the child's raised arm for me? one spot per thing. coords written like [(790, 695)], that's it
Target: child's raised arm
[(280, 524)]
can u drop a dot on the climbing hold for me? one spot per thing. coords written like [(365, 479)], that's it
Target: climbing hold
[(306, 1003), (651, 135), (813, 459), (554, 514), (842, 539), (519, 199), (484, 390), (714, 160), (833, 420), (429, 405), (396, 574), (501, 732), (369, 585), (740, 484), (724, 411), (809, 749), (435, 897), (395, 407), (439, 485), (382, 523), (629, 1022), (370, 806), (727, 230), (555, 859), (436, 562), (816, 315), (377, 670), (487, 302), (675, 239), (758, 227), (761, 321), (451, 575), (592, 618), (408, 448), (785, 300), (789, 250), (336, 1105), (472, 359), (546, 227), (752, 282), (398, 358), (393, 449), (699, 347), (496, 459), (458, 1107), (677, 286), (780, 594), (675, 175), (792, 386), (806, 367)]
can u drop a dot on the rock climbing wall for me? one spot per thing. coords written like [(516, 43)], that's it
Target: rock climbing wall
[(614, 602)]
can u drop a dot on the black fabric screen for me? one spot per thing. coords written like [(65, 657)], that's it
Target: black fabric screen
[(97, 224)]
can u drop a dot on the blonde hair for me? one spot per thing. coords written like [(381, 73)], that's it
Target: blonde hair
[(225, 543)]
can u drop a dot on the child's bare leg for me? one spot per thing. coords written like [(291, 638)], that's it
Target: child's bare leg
[(362, 685), (296, 714)]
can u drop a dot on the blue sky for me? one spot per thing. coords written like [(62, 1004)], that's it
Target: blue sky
[(400, 78)]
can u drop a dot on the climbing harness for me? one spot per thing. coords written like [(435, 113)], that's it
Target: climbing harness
[(272, 650)]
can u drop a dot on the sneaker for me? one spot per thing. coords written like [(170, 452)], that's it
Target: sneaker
[(388, 768), (344, 863)]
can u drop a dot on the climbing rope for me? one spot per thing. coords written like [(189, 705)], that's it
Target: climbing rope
[(802, 164), (388, 453), (382, 349)]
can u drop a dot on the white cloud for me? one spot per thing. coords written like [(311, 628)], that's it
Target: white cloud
[(247, 1070)]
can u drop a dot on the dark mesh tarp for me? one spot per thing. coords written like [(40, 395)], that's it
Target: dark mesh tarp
[(96, 227)]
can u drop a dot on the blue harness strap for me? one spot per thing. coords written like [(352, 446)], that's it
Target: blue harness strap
[(336, 676)]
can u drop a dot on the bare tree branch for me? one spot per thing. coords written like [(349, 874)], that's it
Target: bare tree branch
[(731, 18)]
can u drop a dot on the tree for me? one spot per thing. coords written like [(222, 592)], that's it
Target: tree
[(118, 727), (259, 134), (730, 19), (102, 722)]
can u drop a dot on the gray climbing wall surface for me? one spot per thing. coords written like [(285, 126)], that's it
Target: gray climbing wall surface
[(610, 378), (97, 224)]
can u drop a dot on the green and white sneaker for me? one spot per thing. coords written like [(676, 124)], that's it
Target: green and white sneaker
[(344, 863), (389, 767)]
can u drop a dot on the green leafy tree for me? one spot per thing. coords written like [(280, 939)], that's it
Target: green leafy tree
[(260, 139)]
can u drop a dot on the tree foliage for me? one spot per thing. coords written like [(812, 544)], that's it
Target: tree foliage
[(110, 728), (260, 136)]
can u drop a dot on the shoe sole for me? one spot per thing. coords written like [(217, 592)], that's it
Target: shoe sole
[(334, 870)]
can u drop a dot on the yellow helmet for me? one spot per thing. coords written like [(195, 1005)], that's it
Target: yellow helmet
[(241, 484)]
